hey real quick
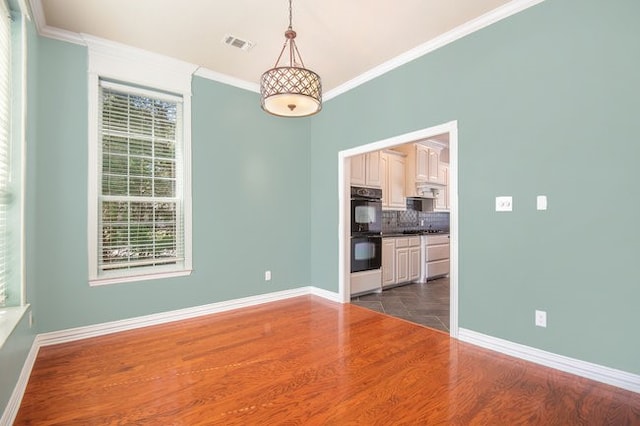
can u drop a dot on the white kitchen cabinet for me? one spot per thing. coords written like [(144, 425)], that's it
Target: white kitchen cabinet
[(437, 256), (400, 260), (358, 170), (365, 170), (402, 265), (422, 167), (414, 263), (421, 162), (392, 166), (388, 261), (434, 165), (442, 201)]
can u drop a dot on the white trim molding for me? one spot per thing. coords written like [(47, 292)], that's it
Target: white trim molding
[(227, 79), (79, 333), (450, 36), (498, 14), (599, 373), (72, 334), (344, 161), (13, 405), (133, 65)]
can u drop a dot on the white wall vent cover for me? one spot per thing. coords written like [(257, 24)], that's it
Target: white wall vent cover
[(234, 41)]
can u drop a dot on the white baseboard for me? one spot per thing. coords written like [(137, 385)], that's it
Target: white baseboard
[(78, 333), (11, 410), (596, 372), (326, 294)]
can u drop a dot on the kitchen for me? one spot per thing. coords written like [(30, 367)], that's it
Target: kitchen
[(400, 231)]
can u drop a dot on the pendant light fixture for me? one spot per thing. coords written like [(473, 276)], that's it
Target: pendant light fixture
[(290, 90)]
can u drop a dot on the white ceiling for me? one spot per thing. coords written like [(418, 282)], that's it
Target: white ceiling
[(338, 39)]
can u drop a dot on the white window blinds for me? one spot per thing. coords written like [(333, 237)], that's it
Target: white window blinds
[(141, 219), (5, 154)]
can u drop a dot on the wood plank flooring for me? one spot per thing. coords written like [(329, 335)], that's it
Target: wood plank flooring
[(305, 361)]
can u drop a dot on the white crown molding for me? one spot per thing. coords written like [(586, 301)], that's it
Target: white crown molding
[(227, 79), (467, 28), (599, 373), (37, 13), (463, 30), (122, 62)]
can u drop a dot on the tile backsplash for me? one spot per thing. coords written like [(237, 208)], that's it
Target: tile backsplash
[(393, 221)]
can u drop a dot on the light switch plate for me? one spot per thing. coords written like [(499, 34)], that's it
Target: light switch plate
[(541, 318), (504, 204), (541, 202)]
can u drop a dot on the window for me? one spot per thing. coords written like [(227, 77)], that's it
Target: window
[(5, 151), (141, 184)]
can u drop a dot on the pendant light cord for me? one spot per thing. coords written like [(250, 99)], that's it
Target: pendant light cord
[(290, 15)]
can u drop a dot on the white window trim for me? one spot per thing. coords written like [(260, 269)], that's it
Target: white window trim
[(138, 67)]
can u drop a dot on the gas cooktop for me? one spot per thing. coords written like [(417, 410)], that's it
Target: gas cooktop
[(423, 231)]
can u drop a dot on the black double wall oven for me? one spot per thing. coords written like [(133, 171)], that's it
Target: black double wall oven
[(366, 229)]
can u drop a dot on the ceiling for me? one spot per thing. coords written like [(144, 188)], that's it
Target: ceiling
[(338, 39)]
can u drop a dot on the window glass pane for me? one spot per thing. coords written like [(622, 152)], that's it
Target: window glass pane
[(164, 149), (140, 166), (165, 188), (140, 187), (139, 146), (114, 144), (165, 168)]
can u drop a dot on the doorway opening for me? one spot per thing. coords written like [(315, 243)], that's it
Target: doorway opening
[(445, 132)]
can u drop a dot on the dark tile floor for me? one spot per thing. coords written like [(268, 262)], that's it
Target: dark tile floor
[(426, 304)]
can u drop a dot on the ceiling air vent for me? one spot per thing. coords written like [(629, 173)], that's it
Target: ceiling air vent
[(234, 41)]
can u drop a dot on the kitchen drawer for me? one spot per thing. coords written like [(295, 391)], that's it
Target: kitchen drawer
[(414, 241), (402, 242), (437, 268), (438, 252), (366, 281), (437, 239)]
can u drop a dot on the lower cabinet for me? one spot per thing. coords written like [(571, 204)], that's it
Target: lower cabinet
[(414, 263), (437, 256), (400, 260), (388, 261)]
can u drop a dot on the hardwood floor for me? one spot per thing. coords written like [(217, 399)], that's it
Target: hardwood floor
[(305, 361)]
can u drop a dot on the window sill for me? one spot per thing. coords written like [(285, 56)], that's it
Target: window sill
[(9, 319), (135, 278)]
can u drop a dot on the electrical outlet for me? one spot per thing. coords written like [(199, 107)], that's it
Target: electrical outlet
[(30, 319), (267, 275), (504, 204), (541, 318)]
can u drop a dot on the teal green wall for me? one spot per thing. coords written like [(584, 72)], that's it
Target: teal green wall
[(546, 103), (250, 202)]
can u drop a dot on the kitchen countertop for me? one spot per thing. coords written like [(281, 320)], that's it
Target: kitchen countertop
[(401, 234)]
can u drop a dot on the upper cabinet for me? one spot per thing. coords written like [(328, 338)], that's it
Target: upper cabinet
[(423, 166), (442, 201), (392, 168), (366, 170)]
